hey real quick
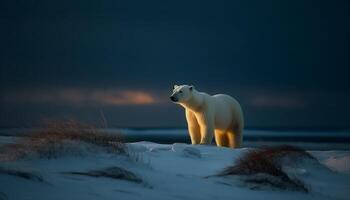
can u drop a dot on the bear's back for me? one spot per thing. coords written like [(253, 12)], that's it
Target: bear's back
[(225, 98), (226, 101)]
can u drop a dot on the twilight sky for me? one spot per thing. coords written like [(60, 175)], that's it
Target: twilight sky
[(286, 62)]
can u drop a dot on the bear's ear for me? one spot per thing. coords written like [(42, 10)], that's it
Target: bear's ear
[(191, 87), (175, 86)]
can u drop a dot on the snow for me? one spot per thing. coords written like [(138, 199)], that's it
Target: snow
[(336, 160), (168, 171)]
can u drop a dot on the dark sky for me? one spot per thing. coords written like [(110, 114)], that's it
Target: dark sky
[(287, 62)]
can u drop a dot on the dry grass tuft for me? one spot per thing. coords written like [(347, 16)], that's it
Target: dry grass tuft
[(264, 167), (50, 139)]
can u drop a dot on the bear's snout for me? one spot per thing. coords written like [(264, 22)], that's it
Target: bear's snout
[(173, 98)]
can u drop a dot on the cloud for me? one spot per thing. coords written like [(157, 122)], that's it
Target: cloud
[(73, 96)]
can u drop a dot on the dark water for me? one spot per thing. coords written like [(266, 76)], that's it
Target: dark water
[(313, 140)]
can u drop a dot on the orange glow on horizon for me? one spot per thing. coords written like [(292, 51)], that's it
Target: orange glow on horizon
[(84, 96), (127, 98)]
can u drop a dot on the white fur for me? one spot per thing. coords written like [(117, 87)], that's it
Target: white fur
[(219, 115)]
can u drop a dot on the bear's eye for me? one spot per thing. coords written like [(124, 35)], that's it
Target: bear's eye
[(180, 91)]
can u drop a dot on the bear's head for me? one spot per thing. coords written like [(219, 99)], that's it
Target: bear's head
[(182, 93)]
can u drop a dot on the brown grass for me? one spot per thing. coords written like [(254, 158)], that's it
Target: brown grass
[(264, 167), (51, 138)]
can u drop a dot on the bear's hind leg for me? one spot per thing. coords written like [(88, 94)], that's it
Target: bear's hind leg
[(234, 139), (221, 138)]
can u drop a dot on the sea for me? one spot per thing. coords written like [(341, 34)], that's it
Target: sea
[(307, 139)]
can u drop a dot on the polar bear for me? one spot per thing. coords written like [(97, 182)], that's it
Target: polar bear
[(206, 115)]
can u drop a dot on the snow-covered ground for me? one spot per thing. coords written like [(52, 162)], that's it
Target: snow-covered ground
[(164, 171)]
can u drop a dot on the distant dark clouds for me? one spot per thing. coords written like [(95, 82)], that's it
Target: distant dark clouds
[(279, 58)]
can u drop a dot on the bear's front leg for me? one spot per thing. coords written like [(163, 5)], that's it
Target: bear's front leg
[(206, 124), (207, 133), (193, 127)]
